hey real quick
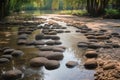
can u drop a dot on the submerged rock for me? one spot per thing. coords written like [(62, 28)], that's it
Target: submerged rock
[(71, 64)]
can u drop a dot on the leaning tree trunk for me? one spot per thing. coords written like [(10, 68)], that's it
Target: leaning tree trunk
[(96, 7), (4, 8)]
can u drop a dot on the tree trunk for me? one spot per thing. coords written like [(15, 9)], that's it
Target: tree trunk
[(96, 7)]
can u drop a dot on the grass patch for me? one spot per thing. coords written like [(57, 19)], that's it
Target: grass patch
[(74, 12)]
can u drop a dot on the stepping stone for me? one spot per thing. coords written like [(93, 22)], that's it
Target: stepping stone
[(21, 42), (39, 42), (12, 75), (17, 53), (39, 36), (91, 64), (51, 55), (82, 44), (23, 36), (8, 51), (58, 49), (50, 42), (52, 64), (4, 60), (7, 56), (58, 42), (38, 62), (91, 54), (55, 37), (71, 64), (46, 48)]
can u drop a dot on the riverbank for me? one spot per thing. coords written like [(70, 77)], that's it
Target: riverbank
[(108, 56)]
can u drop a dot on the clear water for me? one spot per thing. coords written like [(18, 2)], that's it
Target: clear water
[(69, 40)]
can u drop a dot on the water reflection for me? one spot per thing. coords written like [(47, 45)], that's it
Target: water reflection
[(72, 53)]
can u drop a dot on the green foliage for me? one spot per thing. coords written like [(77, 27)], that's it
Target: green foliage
[(112, 12), (74, 12)]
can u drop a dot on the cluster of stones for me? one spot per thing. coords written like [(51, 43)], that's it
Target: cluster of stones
[(49, 44), (23, 34), (7, 55), (24, 21), (107, 69), (98, 39)]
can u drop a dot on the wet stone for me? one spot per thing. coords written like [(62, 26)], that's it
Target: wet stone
[(17, 53), (47, 37), (55, 56), (7, 56), (91, 54), (29, 43), (39, 42), (52, 33), (46, 48), (52, 64), (94, 46), (55, 37), (23, 36), (12, 75), (50, 42), (51, 55), (38, 62), (58, 49), (59, 31), (71, 64), (21, 42), (4, 60), (67, 31), (91, 64), (58, 42), (8, 51), (77, 30), (82, 44), (39, 36)]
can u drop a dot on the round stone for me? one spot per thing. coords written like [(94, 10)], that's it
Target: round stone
[(17, 53), (71, 64), (8, 51), (7, 56), (39, 36), (52, 64), (91, 54), (38, 62), (12, 75), (4, 60), (91, 64)]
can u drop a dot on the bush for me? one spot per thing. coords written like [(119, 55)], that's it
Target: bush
[(112, 13)]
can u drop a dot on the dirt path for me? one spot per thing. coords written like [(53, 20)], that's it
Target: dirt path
[(91, 22)]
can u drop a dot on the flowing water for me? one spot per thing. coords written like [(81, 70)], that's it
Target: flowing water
[(8, 37)]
